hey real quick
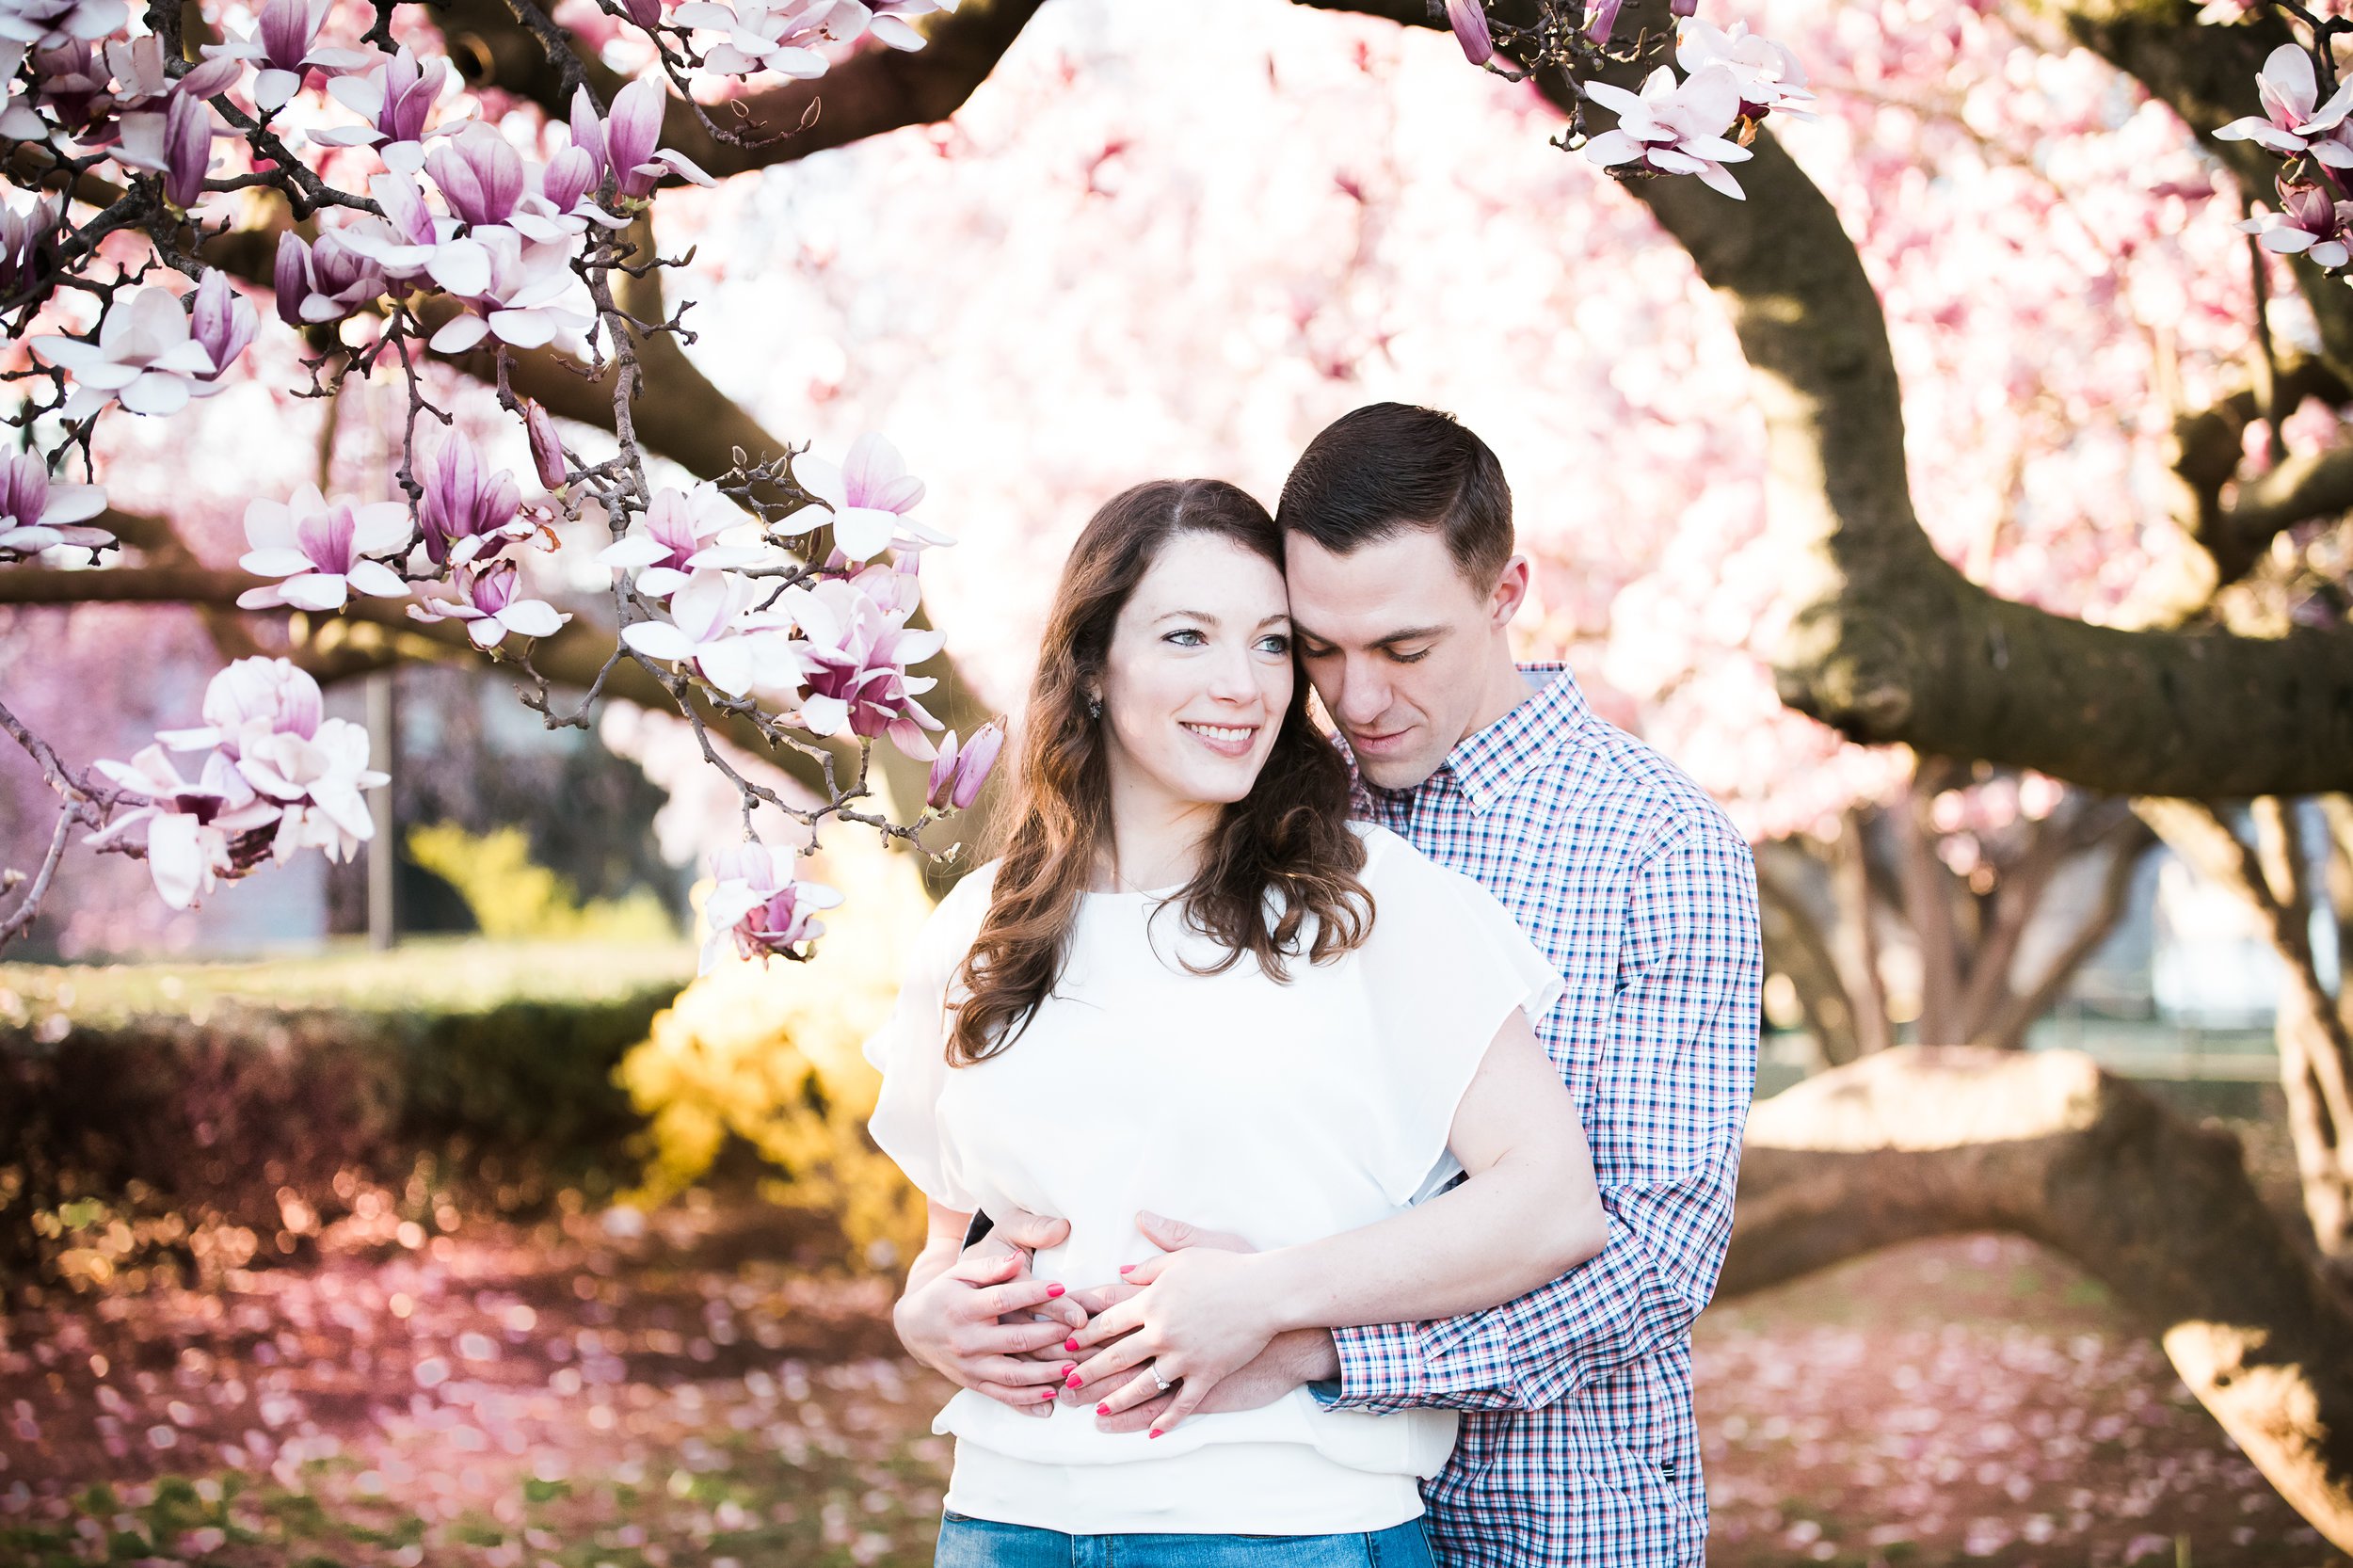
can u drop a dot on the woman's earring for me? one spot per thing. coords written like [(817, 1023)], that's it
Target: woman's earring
[(1094, 707)]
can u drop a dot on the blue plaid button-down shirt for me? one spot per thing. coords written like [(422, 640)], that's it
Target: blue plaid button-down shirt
[(1577, 1442)]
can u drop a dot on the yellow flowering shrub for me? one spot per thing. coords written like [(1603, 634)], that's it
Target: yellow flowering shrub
[(771, 1055), (512, 896)]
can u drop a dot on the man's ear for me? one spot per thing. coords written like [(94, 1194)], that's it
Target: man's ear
[(1511, 592)]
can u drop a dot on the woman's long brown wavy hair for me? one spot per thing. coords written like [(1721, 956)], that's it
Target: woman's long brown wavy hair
[(1280, 879)]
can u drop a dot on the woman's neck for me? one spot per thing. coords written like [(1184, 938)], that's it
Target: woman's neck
[(1156, 842)]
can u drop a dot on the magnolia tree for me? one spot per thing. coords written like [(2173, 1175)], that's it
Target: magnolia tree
[(407, 222)]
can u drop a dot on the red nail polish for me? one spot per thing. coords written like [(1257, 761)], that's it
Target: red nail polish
[(1069, 1367), (1071, 1381), (1102, 1410), (1156, 1431), (1052, 1290), (1049, 1393), (1127, 1267), (1071, 1344)]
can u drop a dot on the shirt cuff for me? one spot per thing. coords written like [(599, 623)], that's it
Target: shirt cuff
[(1381, 1367)]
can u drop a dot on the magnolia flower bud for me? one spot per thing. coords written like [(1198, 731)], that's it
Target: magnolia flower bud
[(973, 767), (546, 449), (1468, 19)]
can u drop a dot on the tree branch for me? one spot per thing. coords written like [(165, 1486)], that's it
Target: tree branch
[(371, 634), (1915, 1143), (1795, 946), (868, 94), (2129, 839)]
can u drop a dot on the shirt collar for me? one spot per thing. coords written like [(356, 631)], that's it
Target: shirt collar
[(1483, 762)]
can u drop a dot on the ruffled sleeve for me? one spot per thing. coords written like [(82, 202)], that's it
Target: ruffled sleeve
[(1446, 966), (910, 1048)]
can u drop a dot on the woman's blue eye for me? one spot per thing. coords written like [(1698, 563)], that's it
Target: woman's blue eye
[(1184, 637), (1275, 644)]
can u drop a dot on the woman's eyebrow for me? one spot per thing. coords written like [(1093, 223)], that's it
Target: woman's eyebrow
[(1202, 615)]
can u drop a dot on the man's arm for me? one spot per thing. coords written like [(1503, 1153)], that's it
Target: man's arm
[(1669, 1096)]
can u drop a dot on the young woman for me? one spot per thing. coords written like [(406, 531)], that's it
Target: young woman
[(1192, 986)]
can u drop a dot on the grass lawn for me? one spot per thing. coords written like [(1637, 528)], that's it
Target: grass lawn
[(425, 974)]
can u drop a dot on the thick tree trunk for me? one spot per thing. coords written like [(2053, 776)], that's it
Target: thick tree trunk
[(1888, 642), (1915, 1143)]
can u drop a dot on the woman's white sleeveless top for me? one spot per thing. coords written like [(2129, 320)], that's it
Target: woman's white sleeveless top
[(1284, 1112)]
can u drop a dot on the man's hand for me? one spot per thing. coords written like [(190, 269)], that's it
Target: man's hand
[(975, 1321)]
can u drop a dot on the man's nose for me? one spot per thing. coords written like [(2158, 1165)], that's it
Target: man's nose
[(1364, 693)]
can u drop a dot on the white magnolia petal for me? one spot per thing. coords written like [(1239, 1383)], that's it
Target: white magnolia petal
[(460, 333), (374, 577), (825, 716), (533, 617), (318, 591), (659, 639), (176, 856)]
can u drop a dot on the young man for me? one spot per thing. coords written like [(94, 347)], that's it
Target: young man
[(1578, 1444)]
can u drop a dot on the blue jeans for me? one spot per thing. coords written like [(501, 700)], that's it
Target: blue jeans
[(984, 1543)]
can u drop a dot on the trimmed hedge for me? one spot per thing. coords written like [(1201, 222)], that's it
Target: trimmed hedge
[(209, 1113)]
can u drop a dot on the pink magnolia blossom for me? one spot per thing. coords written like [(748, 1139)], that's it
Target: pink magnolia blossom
[(1603, 20), (680, 534), (778, 37), (959, 773), (1672, 128), (220, 320), (48, 24), (277, 777), (516, 289), (316, 780), (489, 602), (757, 905), (713, 626), (2310, 221), (322, 548), (479, 172), (325, 281), (70, 82), (252, 698), (468, 510), (198, 830), (1769, 75), (285, 44), (623, 142), (144, 357), (1469, 18), (2288, 88), (406, 241), (868, 496), (856, 656), (175, 142), (137, 69), (28, 243), (37, 514), (396, 100)]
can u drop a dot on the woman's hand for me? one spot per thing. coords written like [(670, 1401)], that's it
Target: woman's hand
[(974, 1316), (1201, 1314)]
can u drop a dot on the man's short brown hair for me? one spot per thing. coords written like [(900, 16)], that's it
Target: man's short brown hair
[(1389, 467)]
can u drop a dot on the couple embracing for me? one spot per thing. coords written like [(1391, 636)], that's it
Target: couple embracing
[(1358, 1122)]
